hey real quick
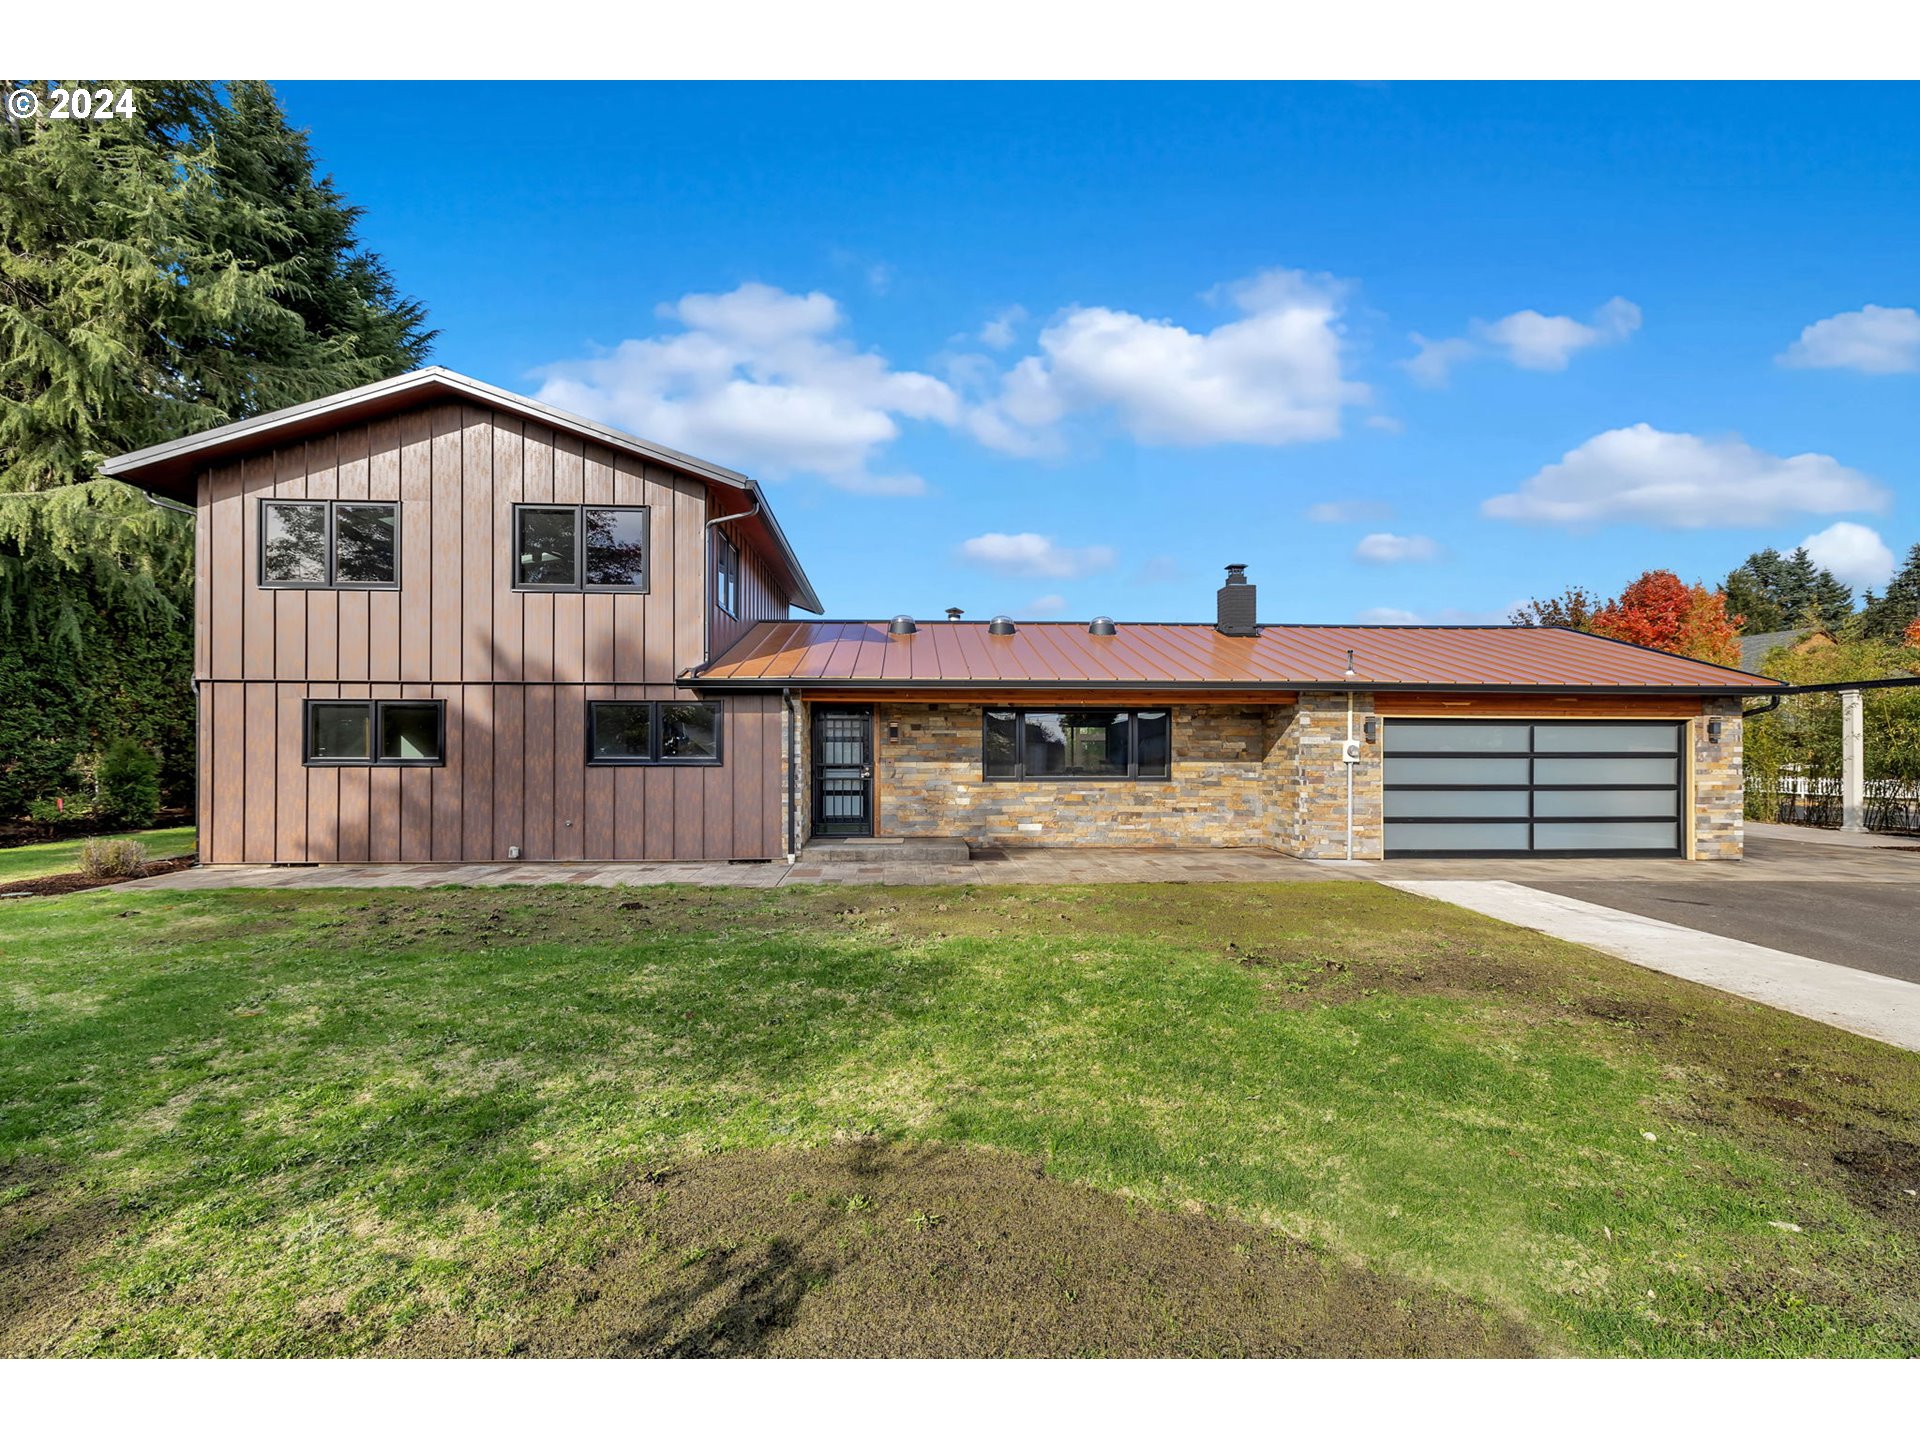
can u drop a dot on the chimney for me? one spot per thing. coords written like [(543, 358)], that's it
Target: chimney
[(954, 612), (1237, 615)]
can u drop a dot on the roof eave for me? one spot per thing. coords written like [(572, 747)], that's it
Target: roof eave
[(1341, 686)]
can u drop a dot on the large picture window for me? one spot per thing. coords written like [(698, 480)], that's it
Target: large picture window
[(1077, 745), (324, 544), (376, 732), (653, 732), (580, 547)]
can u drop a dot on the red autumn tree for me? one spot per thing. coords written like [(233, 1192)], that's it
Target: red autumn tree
[(1663, 612), (1912, 636)]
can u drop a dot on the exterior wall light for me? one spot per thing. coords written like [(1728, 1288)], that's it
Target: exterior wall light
[(1372, 729), (1713, 732)]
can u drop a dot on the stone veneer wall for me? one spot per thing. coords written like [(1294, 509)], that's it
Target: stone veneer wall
[(1719, 783), (1222, 791), (1312, 816)]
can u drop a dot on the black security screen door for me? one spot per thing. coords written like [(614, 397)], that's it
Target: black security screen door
[(1533, 787), (843, 772)]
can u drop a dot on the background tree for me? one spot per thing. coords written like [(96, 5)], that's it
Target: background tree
[(158, 275), (1889, 616), (1571, 609), (1663, 612), (1773, 592)]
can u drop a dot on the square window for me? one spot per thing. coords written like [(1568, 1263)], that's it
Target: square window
[(410, 732), (366, 544), (547, 547), (339, 730), (293, 543), (689, 731), (616, 548), (622, 732)]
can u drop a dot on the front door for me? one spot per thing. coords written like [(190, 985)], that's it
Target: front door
[(843, 770)]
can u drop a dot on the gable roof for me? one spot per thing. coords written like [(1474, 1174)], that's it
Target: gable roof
[(1050, 655), (171, 467)]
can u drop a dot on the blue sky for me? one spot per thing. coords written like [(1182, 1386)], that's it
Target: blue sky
[(1068, 350)]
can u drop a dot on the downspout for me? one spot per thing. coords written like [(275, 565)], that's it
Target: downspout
[(713, 599), (793, 766), (1346, 754)]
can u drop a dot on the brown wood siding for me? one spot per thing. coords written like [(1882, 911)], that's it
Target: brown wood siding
[(1410, 705), (515, 775), (761, 597), (515, 668)]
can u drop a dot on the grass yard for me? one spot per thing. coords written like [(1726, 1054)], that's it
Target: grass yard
[(59, 857), (1187, 1119)]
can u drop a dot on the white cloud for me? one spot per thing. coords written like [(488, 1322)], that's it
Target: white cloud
[(1526, 338), (1874, 339), (1389, 615), (1854, 553), (1046, 605), (1031, 554), (1677, 481), (1001, 331), (1381, 548), (759, 378), (1348, 512), (1275, 376), (1388, 423)]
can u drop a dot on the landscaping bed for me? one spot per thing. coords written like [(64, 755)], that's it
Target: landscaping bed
[(77, 880), (1184, 1119)]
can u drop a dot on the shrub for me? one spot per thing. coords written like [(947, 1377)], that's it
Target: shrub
[(128, 783), (57, 812), (104, 859)]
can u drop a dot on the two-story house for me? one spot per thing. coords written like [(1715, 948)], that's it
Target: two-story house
[(437, 621)]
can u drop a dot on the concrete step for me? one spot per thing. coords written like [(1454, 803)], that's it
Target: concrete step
[(870, 850)]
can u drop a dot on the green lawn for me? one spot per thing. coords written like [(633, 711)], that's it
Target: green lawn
[(60, 857), (323, 1122)]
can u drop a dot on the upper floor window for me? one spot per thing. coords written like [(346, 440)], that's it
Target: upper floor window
[(320, 543), (726, 574), (1076, 745), (580, 547)]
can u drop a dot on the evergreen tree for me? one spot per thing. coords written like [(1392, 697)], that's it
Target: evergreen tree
[(1890, 615), (1771, 591), (158, 275)]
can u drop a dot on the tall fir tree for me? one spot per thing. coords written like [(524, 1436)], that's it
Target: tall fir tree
[(1771, 591), (1889, 615), (158, 275)]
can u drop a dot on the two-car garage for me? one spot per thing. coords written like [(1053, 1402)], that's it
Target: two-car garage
[(1533, 787)]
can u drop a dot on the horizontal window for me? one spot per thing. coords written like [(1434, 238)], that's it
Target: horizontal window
[(1656, 739), (1472, 836), (1076, 745), (1416, 804), (1592, 804), (1606, 835), (1464, 770), (580, 547), (376, 732), (1623, 771), (318, 544), (653, 732)]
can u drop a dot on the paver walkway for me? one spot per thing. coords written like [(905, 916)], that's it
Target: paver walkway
[(989, 867)]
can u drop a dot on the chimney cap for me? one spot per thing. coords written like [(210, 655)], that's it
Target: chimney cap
[(954, 612), (1236, 574)]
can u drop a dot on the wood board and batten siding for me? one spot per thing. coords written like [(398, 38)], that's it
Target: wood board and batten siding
[(515, 668)]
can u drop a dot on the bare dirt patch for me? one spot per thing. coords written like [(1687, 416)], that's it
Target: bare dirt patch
[(867, 1249), (75, 880), (44, 1233)]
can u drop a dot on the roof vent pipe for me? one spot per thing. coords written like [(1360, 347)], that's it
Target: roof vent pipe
[(954, 612), (1102, 625), (1000, 625), (1237, 614), (902, 625), (1349, 670)]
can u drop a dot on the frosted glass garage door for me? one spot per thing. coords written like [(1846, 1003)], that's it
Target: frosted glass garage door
[(1542, 787)]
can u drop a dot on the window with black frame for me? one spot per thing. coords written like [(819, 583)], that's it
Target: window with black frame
[(375, 732), (1076, 745), (330, 544), (580, 547), (653, 732), (726, 574)]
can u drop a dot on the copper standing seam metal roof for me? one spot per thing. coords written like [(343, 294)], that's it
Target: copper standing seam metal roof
[(961, 654)]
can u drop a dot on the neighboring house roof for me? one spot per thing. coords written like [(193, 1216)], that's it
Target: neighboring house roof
[(1755, 648), (962, 654), (170, 468)]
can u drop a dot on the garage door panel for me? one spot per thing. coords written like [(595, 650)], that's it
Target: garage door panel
[(1417, 804), (1595, 804), (1546, 787), (1470, 838)]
